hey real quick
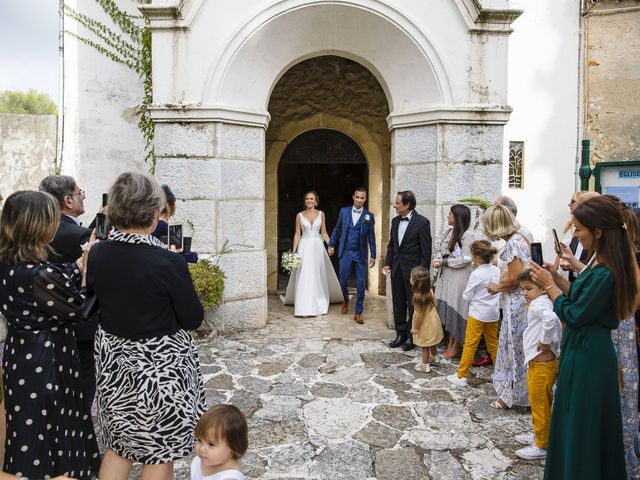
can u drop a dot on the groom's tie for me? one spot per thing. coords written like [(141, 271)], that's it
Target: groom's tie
[(357, 211)]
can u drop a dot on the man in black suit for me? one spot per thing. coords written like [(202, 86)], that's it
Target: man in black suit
[(409, 246), (67, 247)]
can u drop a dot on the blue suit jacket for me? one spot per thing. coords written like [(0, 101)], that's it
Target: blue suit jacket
[(367, 232)]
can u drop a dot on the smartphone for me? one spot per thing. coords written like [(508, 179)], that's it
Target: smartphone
[(105, 199), (175, 236), (536, 253), (102, 226), (556, 242)]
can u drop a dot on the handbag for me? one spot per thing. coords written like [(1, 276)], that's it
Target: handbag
[(89, 307)]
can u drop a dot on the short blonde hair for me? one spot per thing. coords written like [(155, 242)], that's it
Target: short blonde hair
[(499, 222), (28, 224), (134, 198)]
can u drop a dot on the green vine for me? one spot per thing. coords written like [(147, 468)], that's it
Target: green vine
[(483, 204), (133, 52)]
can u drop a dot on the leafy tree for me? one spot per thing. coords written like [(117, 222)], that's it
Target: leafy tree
[(31, 103)]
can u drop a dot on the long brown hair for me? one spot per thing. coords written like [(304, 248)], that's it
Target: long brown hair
[(613, 249), (461, 222), (423, 299), (28, 223)]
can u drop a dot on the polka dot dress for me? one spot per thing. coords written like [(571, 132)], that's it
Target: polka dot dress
[(49, 432)]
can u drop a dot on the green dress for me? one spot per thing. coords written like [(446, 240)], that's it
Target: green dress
[(585, 441)]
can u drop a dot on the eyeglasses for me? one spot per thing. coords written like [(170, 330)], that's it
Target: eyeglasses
[(79, 192)]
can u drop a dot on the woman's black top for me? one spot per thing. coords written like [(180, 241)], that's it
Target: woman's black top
[(143, 290)]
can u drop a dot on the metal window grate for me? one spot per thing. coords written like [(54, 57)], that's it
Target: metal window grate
[(516, 164)]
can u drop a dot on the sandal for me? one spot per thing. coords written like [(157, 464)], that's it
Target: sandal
[(498, 405), (447, 354)]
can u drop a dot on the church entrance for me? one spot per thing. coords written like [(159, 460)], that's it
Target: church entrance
[(324, 160)]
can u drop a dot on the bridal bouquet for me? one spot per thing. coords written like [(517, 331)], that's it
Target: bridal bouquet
[(290, 261)]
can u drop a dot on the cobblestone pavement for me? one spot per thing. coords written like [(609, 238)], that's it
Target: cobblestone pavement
[(327, 399)]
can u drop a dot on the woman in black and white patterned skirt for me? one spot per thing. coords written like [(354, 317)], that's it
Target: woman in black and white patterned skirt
[(149, 385), (49, 431)]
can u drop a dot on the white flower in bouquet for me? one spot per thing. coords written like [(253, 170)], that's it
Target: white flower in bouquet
[(290, 261)]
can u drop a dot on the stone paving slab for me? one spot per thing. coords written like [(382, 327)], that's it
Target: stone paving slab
[(327, 399)]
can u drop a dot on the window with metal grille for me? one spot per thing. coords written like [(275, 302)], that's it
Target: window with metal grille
[(516, 164)]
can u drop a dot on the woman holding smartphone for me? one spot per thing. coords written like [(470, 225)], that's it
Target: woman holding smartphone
[(586, 439)]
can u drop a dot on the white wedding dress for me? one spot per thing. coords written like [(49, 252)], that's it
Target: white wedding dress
[(313, 285)]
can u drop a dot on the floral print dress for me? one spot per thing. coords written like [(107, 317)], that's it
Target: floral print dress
[(510, 373)]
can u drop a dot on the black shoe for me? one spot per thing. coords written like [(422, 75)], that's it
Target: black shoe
[(408, 345), (400, 339)]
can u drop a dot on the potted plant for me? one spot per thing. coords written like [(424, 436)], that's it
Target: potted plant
[(208, 281)]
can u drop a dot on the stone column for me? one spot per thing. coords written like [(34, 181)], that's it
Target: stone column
[(443, 164), (217, 172)]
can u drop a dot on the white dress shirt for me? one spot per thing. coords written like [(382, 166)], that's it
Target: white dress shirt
[(75, 219), (543, 326), (355, 215), (482, 305), (403, 227)]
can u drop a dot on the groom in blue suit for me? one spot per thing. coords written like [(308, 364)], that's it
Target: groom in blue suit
[(354, 230)]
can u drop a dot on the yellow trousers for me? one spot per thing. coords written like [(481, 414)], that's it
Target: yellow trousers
[(475, 329), (541, 378)]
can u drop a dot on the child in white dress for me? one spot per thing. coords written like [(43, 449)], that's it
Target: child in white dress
[(221, 441)]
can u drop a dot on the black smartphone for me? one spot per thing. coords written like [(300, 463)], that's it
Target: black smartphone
[(175, 236), (556, 242), (105, 199), (102, 226), (536, 253)]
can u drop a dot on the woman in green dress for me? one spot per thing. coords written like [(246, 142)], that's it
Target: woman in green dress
[(585, 441)]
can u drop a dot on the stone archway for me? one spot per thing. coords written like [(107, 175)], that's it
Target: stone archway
[(336, 93)]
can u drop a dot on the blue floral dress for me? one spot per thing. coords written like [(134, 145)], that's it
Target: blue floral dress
[(510, 373), (624, 342)]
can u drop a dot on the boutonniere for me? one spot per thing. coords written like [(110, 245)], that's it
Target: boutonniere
[(367, 218)]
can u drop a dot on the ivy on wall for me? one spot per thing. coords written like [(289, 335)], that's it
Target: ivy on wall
[(129, 45)]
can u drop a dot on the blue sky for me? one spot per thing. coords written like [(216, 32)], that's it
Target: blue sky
[(29, 46)]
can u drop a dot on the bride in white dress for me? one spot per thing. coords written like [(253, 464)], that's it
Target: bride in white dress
[(314, 284)]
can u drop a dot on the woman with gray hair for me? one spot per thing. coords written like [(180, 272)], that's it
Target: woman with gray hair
[(150, 392)]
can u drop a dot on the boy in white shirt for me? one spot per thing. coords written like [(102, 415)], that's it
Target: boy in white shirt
[(541, 348), (484, 310)]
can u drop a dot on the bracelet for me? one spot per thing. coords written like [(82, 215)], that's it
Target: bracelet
[(548, 287)]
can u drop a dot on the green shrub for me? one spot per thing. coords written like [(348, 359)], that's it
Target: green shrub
[(208, 280), (483, 204)]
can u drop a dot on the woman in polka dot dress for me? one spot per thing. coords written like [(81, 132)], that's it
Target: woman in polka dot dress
[(48, 430)]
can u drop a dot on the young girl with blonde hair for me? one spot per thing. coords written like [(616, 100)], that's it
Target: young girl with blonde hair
[(426, 326)]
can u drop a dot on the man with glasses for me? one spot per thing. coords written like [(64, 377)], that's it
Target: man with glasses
[(66, 248)]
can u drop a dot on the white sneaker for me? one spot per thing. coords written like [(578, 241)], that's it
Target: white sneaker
[(525, 438), (422, 367), (531, 452), (437, 359), (460, 382)]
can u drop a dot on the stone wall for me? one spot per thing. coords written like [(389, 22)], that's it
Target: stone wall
[(27, 151), (219, 171), (612, 81)]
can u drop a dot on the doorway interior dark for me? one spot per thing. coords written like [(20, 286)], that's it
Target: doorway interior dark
[(327, 161)]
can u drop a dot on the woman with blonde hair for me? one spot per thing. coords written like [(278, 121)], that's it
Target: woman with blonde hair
[(49, 430), (510, 373)]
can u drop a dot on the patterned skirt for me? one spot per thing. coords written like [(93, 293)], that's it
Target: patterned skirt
[(150, 395)]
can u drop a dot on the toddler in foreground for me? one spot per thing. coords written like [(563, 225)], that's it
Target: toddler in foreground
[(221, 441), (425, 324), (541, 347)]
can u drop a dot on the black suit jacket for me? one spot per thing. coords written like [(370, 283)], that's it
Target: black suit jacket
[(415, 248), (66, 248), (66, 245)]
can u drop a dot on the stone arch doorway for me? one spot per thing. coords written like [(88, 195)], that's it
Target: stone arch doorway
[(327, 161), (326, 100)]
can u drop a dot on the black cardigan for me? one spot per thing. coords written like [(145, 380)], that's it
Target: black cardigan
[(143, 291)]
